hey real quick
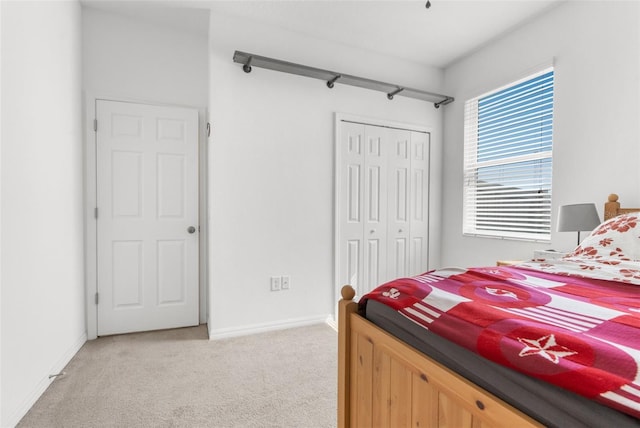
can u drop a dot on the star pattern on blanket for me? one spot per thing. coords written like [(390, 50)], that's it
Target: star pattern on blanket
[(545, 347), (501, 293)]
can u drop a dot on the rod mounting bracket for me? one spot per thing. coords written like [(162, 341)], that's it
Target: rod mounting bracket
[(247, 65), (331, 82), (397, 91), (443, 102)]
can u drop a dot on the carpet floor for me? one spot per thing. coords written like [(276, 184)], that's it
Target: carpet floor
[(178, 378)]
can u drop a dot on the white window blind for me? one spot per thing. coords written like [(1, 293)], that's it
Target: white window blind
[(507, 160)]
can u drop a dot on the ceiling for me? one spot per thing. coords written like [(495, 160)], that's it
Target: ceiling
[(437, 36)]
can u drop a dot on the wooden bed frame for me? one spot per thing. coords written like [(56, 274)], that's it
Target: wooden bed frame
[(383, 382), (612, 208)]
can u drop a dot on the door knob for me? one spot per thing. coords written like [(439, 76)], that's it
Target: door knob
[(191, 229)]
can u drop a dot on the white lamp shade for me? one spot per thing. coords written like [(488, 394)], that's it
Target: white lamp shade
[(578, 217)]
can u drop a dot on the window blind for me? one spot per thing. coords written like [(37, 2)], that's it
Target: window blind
[(507, 160)]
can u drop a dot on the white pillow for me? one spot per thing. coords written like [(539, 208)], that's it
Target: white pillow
[(617, 239)]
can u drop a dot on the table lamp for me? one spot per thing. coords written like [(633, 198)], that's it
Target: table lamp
[(578, 217)]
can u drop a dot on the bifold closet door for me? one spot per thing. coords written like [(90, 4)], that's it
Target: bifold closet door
[(362, 205), (399, 204), (375, 206), (382, 218), (418, 261), (407, 191)]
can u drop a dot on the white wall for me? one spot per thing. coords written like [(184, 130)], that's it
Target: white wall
[(1, 50), (271, 169), (42, 313), (132, 59), (596, 150)]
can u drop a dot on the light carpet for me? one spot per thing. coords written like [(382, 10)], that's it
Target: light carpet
[(178, 378)]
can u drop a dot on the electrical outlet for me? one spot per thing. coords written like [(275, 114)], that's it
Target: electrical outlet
[(285, 282), (275, 283)]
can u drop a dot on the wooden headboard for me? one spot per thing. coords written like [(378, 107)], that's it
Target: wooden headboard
[(612, 208)]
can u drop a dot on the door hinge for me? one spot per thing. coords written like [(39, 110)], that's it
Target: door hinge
[(95, 125), (97, 298), (208, 129), (95, 212)]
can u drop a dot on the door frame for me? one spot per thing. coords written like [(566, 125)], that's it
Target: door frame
[(338, 118), (91, 196)]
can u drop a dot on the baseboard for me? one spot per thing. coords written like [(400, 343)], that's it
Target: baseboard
[(209, 332), (44, 383), (224, 333), (332, 322)]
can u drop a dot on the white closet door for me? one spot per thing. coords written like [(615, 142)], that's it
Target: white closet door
[(419, 218), (399, 203), (375, 206), (350, 218), (382, 204)]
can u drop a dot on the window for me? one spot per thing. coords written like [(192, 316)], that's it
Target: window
[(507, 160)]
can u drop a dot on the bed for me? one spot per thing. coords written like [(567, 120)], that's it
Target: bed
[(396, 368)]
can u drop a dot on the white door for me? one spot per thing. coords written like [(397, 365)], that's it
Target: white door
[(382, 204), (408, 193), (374, 189), (147, 197), (364, 200), (419, 206), (351, 202), (399, 204)]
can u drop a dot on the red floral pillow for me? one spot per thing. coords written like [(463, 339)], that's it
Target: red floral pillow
[(615, 240)]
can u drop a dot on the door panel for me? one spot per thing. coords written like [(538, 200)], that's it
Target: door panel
[(126, 257), (399, 204), (375, 203), (419, 218), (350, 217), (171, 278), (147, 192), (172, 191)]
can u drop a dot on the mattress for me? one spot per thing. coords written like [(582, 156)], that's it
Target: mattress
[(549, 404)]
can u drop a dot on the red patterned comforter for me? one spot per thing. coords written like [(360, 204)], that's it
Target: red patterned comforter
[(580, 334)]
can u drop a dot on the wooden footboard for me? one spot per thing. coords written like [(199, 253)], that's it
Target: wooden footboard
[(383, 382)]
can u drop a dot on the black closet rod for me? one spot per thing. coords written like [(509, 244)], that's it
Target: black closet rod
[(331, 77)]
